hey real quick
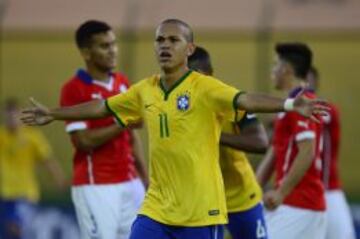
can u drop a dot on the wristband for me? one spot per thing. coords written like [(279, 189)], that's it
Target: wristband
[(289, 104)]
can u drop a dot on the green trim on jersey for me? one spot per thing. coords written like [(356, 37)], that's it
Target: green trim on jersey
[(235, 105), (235, 99), (167, 92), (116, 116)]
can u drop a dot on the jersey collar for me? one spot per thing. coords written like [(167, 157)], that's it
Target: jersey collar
[(294, 92), (177, 83), (86, 77)]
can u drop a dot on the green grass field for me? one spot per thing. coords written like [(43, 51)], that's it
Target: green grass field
[(37, 65)]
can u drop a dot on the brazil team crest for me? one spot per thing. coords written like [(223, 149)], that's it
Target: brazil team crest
[(183, 102)]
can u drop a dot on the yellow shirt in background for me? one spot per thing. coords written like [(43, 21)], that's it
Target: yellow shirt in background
[(241, 187), (19, 154), (184, 125)]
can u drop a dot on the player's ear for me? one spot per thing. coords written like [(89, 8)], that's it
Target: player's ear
[(191, 49), (288, 69), (85, 53)]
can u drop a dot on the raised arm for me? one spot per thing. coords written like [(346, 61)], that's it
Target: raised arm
[(42, 115)]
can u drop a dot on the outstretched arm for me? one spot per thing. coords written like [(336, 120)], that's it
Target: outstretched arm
[(42, 115), (255, 102)]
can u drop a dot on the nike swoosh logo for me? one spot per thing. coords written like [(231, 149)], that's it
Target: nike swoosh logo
[(148, 105)]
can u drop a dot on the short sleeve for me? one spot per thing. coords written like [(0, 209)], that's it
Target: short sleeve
[(304, 128), (71, 95), (221, 98), (41, 145), (126, 107)]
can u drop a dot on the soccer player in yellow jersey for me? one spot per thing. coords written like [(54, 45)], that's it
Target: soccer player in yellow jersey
[(183, 111), (243, 193), (21, 150)]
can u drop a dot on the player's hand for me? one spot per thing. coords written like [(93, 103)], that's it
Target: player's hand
[(273, 199), (36, 115), (310, 107)]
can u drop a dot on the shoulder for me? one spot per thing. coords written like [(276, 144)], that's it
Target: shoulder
[(151, 81), (205, 81), (121, 77), (73, 82), (32, 133)]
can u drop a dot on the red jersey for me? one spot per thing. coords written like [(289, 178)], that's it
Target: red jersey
[(113, 161), (330, 153), (291, 128)]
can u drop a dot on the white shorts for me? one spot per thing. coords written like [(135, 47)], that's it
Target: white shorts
[(107, 211), (340, 224), (288, 222)]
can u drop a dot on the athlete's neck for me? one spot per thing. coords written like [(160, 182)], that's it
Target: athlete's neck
[(99, 75), (296, 82), (169, 78)]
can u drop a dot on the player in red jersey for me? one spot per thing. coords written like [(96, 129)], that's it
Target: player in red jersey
[(107, 191), (338, 215), (296, 205)]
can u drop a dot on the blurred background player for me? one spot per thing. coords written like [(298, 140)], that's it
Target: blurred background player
[(339, 221), (22, 150), (296, 205), (107, 191), (243, 193), (183, 111)]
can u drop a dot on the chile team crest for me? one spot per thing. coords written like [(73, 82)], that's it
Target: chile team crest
[(183, 102)]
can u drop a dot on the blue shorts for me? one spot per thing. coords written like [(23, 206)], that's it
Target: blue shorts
[(12, 217), (145, 227), (248, 224)]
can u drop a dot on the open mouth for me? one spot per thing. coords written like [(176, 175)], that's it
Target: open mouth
[(165, 56)]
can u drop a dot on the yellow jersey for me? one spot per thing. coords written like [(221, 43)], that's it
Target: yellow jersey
[(241, 187), (184, 125), (19, 153)]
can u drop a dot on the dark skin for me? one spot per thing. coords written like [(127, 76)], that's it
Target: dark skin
[(172, 49), (252, 139)]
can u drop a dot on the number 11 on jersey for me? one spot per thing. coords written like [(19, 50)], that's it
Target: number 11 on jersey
[(164, 128)]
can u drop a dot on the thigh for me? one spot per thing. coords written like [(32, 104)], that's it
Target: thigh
[(145, 227), (86, 219), (289, 222), (132, 195), (249, 224), (98, 210), (340, 223)]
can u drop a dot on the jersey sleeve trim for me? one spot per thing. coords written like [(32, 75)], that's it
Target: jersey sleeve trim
[(305, 135), (235, 99), (74, 126), (115, 115), (235, 104)]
